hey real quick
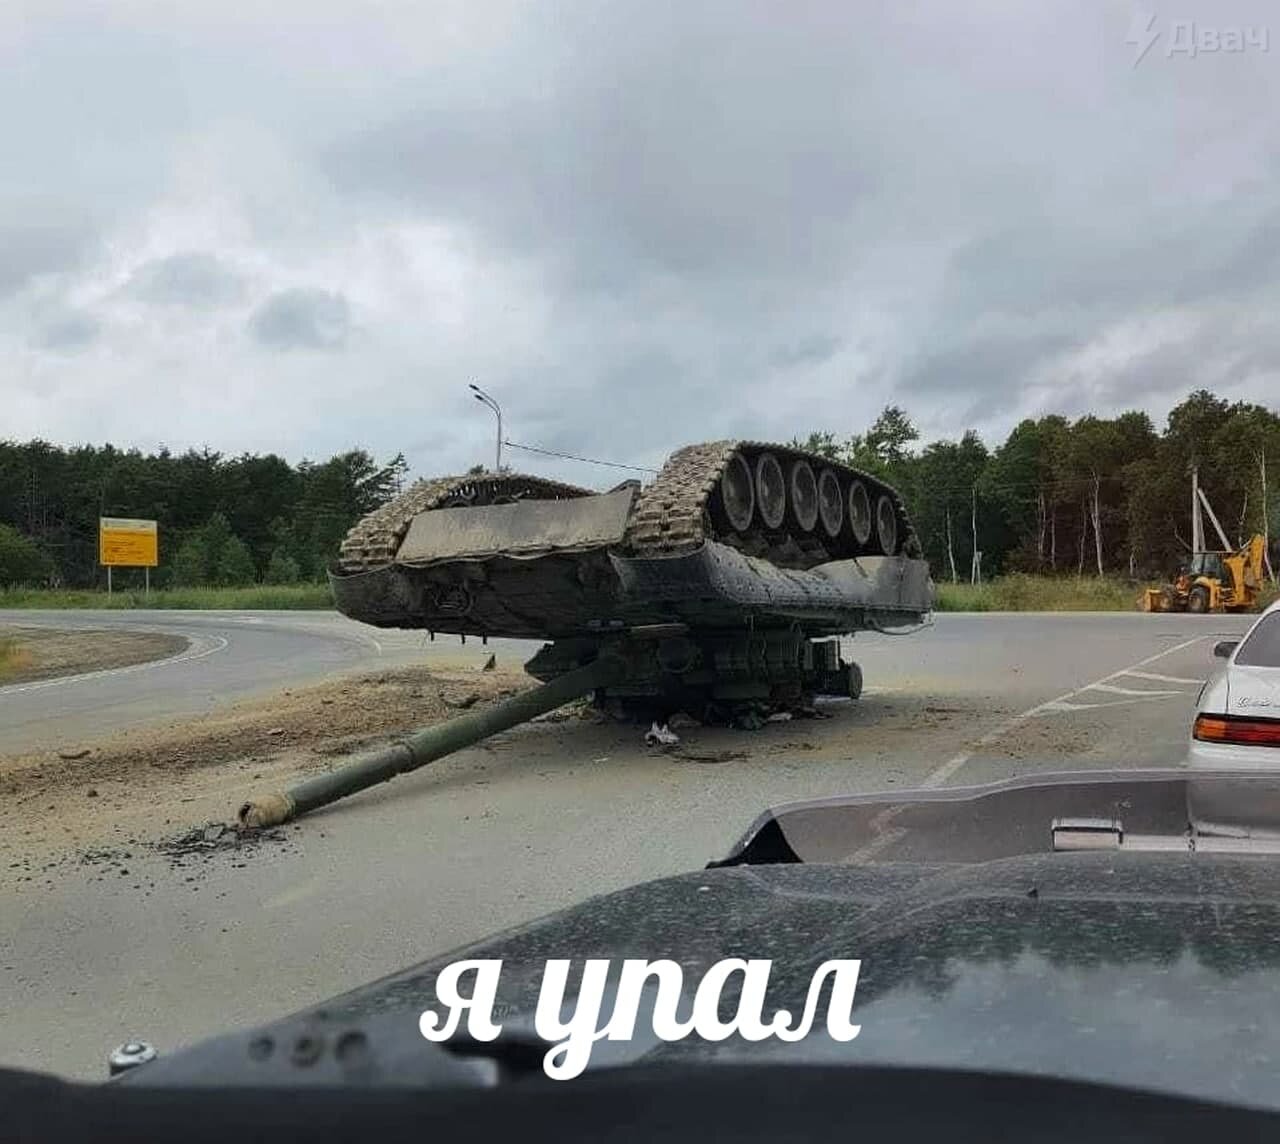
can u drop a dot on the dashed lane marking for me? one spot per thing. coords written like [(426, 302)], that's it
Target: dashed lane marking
[(1112, 689), (886, 837), (1066, 705), (1156, 677)]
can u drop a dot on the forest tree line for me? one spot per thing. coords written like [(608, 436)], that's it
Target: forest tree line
[(1096, 495), (222, 520), (1093, 496)]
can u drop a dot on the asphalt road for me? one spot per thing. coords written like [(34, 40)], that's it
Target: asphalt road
[(229, 656), (545, 816)]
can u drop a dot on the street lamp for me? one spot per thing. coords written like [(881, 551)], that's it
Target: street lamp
[(484, 399)]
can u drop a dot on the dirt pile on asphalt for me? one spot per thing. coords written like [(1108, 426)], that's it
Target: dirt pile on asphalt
[(314, 723)]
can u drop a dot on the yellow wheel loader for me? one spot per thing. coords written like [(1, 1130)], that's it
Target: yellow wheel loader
[(1212, 582)]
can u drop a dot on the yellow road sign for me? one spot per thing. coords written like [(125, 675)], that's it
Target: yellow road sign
[(127, 543)]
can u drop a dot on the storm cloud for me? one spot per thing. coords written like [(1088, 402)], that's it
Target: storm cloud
[(67, 333), (637, 225), (187, 279), (301, 319)]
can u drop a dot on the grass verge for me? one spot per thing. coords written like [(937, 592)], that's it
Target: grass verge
[(257, 596), (1019, 592), (13, 657)]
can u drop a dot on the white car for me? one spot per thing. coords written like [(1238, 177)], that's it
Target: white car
[(1237, 725)]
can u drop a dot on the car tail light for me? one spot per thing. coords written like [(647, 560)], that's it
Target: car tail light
[(1241, 729)]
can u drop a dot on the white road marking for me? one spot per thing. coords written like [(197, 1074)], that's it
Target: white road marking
[(1164, 678), (201, 646), (886, 837), (1114, 690), (1064, 705)]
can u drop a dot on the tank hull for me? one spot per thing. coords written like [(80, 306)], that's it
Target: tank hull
[(520, 557), (712, 587)]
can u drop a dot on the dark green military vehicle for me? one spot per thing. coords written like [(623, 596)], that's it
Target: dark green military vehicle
[(719, 589)]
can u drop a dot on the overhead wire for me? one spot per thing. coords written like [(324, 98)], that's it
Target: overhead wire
[(574, 457)]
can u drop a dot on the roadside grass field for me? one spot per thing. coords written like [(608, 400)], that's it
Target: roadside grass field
[(1019, 592), (13, 656), (256, 596)]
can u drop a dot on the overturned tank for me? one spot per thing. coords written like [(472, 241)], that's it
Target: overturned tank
[(718, 589), (755, 550)]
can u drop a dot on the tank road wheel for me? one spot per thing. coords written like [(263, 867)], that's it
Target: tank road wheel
[(1198, 599), (859, 513), (886, 526), (737, 493), (830, 503), (804, 496), (771, 492)]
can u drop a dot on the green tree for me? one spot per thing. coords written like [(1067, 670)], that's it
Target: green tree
[(281, 568), (883, 448), (1247, 447), (950, 511), (191, 563), (21, 560), (213, 554), (822, 443), (1093, 455), (1018, 486), (235, 564), (890, 435)]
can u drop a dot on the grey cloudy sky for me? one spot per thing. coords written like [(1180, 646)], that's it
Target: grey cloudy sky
[(300, 227)]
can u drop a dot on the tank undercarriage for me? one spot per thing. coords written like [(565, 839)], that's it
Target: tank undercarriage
[(718, 678)]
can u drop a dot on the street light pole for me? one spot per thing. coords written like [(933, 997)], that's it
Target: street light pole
[(484, 399)]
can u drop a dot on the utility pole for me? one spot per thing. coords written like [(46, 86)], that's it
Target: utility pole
[(487, 401), (1197, 524), (975, 568), (1097, 520), (1266, 522), (951, 556), (1226, 544)]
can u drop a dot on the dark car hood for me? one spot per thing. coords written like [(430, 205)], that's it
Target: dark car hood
[(1158, 970)]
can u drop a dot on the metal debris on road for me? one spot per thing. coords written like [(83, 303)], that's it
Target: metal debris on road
[(661, 736)]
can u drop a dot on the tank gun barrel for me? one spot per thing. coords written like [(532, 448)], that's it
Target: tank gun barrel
[(432, 743)]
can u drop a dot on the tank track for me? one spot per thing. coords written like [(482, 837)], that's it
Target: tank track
[(373, 541), (671, 515)]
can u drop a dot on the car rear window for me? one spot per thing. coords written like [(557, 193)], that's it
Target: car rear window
[(1262, 648)]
